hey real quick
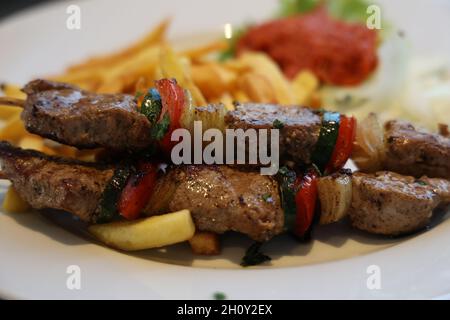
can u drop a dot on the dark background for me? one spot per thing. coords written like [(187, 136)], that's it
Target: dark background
[(13, 6)]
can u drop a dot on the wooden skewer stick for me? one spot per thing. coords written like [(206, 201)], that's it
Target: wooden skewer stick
[(14, 102)]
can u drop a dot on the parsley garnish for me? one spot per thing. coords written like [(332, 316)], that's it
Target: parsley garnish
[(277, 124), (219, 296), (253, 256), (160, 129)]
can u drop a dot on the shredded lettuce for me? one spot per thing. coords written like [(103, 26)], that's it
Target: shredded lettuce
[(292, 7), (347, 10)]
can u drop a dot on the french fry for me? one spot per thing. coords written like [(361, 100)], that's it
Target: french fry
[(213, 79), (32, 142), (237, 66), (172, 67), (125, 73), (205, 243), (304, 84), (156, 36), (153, 232), (86, 79), (227, 101), (13, 130), (13, 91), (257, 87), (7, 112), (13, 202), (240, 96), (204, 50), (87, 155), (262, 64), (62, 150)]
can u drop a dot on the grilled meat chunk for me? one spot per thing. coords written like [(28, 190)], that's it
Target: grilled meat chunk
[(415, 152), (221, 198), (440, 186), (51, 182), (69, 115), (299, 126), (390, 204)]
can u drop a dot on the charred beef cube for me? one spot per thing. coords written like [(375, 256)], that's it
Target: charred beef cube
[(416, 152), (299, 127), (390, 204), (53, 182), (72, 116), (222, 199)]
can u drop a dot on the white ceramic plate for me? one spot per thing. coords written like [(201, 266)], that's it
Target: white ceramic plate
[(35, 252)]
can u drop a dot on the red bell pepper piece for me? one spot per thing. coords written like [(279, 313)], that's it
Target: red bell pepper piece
[(344, 144), (137, 191), (305, 201), (173, 102)]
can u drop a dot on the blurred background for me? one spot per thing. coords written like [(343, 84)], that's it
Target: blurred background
[(12, 6)]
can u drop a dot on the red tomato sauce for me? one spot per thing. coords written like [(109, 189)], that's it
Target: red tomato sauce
[(337, 52)]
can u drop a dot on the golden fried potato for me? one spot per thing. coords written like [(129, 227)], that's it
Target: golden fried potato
[(205, 243), (7, 112), (240, 96), (155, 36), (204, 50), (213, 79), (173, 66), (11, 91), (153, 232), (257, 87), (263, 65), (124, 74), (13, 130), (13, 202), (227, 100), (304, 85)]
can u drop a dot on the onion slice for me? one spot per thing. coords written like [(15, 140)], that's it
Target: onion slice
[(368, 149)]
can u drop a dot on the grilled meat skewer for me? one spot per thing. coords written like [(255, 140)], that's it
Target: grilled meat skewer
[(221, 198), (69, 115)]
